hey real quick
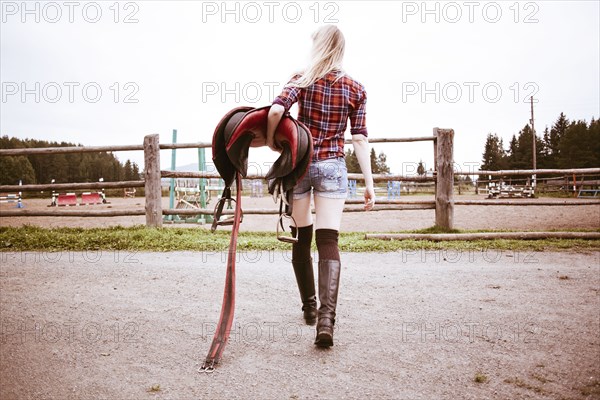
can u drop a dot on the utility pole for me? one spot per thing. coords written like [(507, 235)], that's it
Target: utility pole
[(533, 177)]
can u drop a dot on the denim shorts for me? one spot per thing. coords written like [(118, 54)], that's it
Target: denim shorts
[(327, 178)]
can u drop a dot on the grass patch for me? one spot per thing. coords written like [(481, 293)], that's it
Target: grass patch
[(141, 238), (480, 378), (540, 378), (154, 389), (435, 229), (591, 389), (524, 385)]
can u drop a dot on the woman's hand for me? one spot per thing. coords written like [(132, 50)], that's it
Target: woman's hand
[(369, 198)]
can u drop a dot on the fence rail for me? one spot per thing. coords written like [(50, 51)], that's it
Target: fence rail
[(72, 213), (190, 211), (376, 177), (487, 236), (163, 146), (93, 149), (525, 202), (590, 171), (399, 140), (66, 150), (73, 186)]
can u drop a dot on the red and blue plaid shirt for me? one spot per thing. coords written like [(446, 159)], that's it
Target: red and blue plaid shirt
[(325, 107)]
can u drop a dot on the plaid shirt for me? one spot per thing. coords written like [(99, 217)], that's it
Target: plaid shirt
[(325, 107)]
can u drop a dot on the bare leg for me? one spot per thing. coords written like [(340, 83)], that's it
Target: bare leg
[(328, 212), (301, 212)]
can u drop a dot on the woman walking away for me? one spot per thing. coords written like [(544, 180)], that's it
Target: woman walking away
[(327, 98)]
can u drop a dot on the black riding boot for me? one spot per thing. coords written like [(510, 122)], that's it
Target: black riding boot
[(305, 278), (329, 281)]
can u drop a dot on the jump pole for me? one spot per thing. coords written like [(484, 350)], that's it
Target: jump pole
[(172, 218), (14, 198), (202, 185), (19, 202)]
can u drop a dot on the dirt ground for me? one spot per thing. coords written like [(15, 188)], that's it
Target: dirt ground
[(411, 325), (465, 217)]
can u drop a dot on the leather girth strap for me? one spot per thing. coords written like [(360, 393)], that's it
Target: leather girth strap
[(228, 306)]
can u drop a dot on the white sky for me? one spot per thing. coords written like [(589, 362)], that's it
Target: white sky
[(180, 55)]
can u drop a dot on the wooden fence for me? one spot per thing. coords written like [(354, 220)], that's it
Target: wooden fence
[(443, 177)]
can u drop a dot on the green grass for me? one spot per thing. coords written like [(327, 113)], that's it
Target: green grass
[(520, 383), (154, 388), (480, 378), (140, 238)]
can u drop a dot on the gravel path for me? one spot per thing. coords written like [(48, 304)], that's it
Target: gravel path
[(411, 325)]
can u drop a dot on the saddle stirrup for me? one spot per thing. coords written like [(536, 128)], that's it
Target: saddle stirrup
[(283, 214), (217, 214)]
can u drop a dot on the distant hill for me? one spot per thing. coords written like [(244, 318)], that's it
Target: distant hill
[(187, 167)]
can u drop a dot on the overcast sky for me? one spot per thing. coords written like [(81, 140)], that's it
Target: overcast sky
[(103, 73)]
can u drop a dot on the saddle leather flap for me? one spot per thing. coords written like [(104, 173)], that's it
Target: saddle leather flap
[(245, 127)]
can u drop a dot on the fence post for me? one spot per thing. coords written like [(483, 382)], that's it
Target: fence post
[(435, 156), (152, 181), (444, 196)]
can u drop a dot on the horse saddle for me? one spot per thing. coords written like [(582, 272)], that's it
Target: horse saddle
[(245, 127)]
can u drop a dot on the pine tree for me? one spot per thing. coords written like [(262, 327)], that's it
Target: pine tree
[(513, 152), (578, 147), (493, 154), (378, 163), (557, 132), (381, 162), (14, 169), (136, 172), (547, 161), (128, 171), (374, 166), (524, 157), (352, 162), (421, 168), (117, 172), (521, 150), (594, 133)]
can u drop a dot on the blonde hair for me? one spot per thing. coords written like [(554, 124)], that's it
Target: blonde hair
[(326, 56)]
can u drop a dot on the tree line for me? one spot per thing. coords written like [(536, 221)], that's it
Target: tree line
[(63, 168), (378, 162), (566, 144)]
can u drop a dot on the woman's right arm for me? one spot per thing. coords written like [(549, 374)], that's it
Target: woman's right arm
[(361, 149)]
